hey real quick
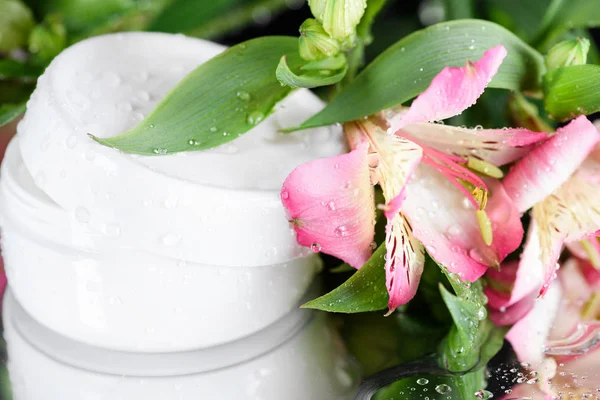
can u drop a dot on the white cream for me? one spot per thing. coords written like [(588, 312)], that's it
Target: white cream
[(165, 253)]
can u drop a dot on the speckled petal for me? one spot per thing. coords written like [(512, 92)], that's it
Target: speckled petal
[(330, 203), (548, 166), (453, 90)]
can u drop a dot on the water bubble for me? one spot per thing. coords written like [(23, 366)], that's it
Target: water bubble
[(214, 129), (443, 389), (315, 247), (160, 151), (373, 245), (331, 206), (484, 395), (285, 195), (422, 381), (255, 117), (340, 231), (242, 95), (113, 230)]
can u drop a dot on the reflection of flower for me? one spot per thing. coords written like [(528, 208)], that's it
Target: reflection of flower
[(564, 321), (430, 177)]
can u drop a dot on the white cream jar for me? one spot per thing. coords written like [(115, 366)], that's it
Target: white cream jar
[(149, 254)]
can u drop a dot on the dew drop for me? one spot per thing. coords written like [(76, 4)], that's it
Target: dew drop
[(285, 195), (171, 239), (82, 214), (160, 151), (340, 231), (443, 389), (255, 117), (373, 245), (113, 230), (214, 129), (484, 395), (242, 95), (331, 206), (422, 381), (315, 247)]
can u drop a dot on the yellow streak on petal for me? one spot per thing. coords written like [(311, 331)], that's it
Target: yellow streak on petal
[(484, 167), (485, 227), (592, 253), (591, 309)]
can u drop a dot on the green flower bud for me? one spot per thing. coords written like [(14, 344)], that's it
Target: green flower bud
[(16, 21), (568, 52), (339, 17), (315, 43), (48, 39)]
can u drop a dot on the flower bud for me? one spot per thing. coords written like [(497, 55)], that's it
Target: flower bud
[(16, 21), (339, 17), (568, 52), (315, 43)]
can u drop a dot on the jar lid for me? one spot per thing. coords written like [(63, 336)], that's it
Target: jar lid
[(217, 207)]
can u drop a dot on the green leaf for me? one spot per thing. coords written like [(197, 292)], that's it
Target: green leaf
[(406, 69), (363, 291), (459, 9), (572, 91), (520, 17), (312, 78), (562, 15), (217, 102), (15, 69), (8, 112), (209, 19), (184, 15)]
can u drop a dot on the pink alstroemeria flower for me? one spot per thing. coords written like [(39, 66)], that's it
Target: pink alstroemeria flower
[(427, 172), (560, 179), (558, 338)]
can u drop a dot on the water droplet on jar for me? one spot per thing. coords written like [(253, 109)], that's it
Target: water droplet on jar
[(113, 230), (171, 239), (82, 214), (71, 141)]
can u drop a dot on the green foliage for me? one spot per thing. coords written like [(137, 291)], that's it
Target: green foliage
[(8, 112), (406, 69), (572, 91), (216, 103), (364, 291)]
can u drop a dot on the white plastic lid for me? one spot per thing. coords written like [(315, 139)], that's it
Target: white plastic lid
[(217, 207)]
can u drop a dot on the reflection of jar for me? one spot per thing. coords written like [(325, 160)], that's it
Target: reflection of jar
[(171, 253), (44, 365)]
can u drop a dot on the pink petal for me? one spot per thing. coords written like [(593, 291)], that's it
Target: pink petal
[(330, 202), (548, 166), (570, 214), (528, 336), (502, 312), (496, 146), (405, 260), (453, 90), (445, 221)]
